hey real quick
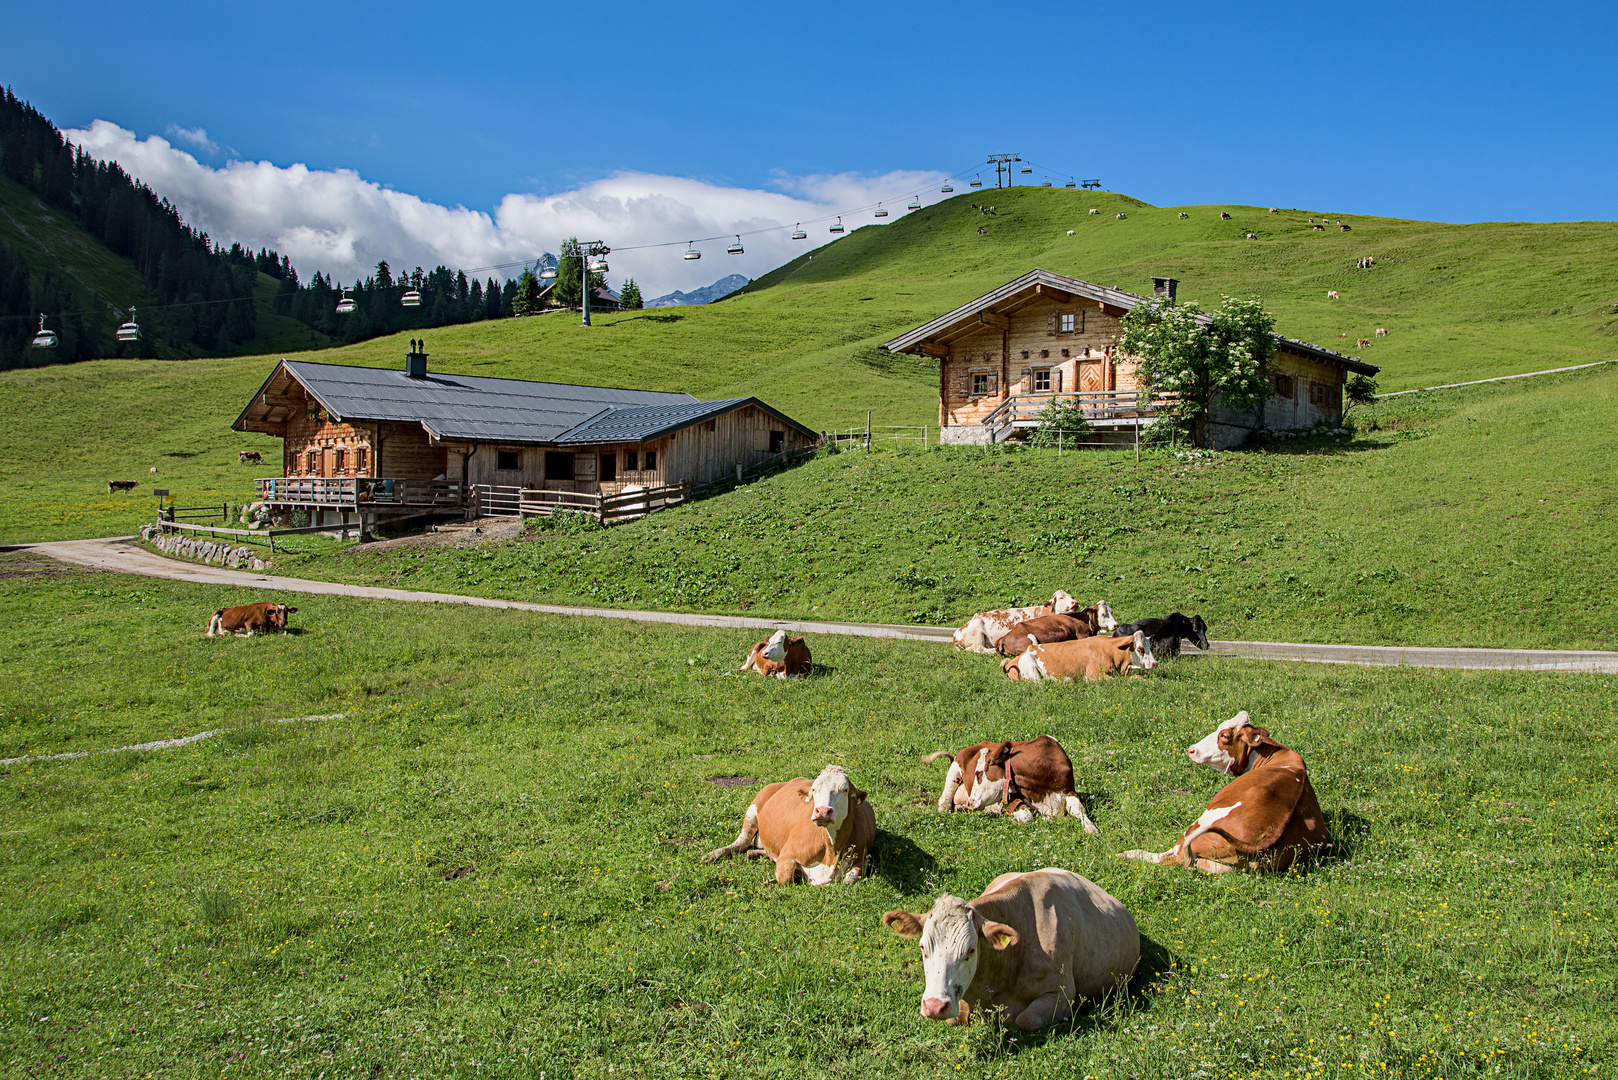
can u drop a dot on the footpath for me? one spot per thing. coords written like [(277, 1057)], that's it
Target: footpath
[(120, 555)]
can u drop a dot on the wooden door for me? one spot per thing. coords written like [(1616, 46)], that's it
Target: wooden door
[(1091, 379)]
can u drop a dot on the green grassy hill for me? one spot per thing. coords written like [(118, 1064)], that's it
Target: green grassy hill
[(101, 281)]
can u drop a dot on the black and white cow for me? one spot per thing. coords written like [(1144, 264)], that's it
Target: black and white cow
[(1166, 633)]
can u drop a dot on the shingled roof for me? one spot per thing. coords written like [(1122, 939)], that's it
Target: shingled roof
[(477, 408), (1117, 298)]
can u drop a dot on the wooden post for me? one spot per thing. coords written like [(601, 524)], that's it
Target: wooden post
[(1137, 436), (867, 429)]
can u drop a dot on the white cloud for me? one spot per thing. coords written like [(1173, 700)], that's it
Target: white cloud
[(340, 224), (197, 137)]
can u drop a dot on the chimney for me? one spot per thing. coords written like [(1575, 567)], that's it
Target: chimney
[(1164, 288), (416, 360)]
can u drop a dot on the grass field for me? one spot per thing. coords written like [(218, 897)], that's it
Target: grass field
[(274, 901)]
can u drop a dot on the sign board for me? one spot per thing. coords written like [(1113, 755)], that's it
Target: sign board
[(161, 493)]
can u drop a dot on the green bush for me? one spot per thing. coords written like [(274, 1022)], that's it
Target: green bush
[(1060, 421)]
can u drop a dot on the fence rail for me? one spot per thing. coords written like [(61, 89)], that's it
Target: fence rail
[(357, 492), (251, 534), (1101, 405), (194, 513)]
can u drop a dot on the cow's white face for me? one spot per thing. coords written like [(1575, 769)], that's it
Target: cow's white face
[(985, 791), (775, 650), (828, 798), (949, 957), (1104, 617), (1208, 752), (1063, 604), (1141, 655)]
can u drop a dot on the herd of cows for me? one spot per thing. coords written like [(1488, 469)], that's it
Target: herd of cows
[(1035, 944)]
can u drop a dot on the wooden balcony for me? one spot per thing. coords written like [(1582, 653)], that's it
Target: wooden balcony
[(1101, 408), (359, 493)]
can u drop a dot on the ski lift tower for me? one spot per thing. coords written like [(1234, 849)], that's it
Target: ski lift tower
[(592, 258), (1002, 162)]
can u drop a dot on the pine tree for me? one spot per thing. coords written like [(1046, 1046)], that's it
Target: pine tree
[(525, 301), (630, 295)]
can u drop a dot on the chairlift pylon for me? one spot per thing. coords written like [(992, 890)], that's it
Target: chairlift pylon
[(915, 203), (411, 298), (837, 227), (129, 331), (691, 252), (45, 339), (879, 211), (798, 233), (736, 248), (345, 305)]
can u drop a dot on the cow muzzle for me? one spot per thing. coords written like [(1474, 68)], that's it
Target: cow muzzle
[(822, 815), (937, 1008)]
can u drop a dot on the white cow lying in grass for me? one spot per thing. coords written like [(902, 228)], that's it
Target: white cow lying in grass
[(985, 629)]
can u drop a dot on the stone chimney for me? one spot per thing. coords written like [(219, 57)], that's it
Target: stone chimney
[(1165, 288), (416, 360)]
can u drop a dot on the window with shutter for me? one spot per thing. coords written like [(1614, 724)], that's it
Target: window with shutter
[(1042, 381), (994, 382), (1026, 378)]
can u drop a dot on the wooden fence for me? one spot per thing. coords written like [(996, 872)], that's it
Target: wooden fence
[(337, 492), (493, 500)]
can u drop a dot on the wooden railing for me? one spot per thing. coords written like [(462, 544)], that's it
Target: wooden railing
[(494, 500), (1024, 409), (359, 491)]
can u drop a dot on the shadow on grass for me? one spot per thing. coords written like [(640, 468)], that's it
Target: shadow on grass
[(671, 318), (899, 860), (1348, 832)]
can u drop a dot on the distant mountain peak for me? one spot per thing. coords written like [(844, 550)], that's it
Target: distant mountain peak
[(706, 295)]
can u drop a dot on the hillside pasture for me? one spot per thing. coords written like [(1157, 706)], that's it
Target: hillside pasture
[(490, 865)]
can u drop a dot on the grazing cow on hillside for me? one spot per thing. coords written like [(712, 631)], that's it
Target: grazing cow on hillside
[(808, 828), (1265, 819), (1027, 949), (1070, 232), (122, 485), (1020, 777), (1165, 634), (245, 456), (1094, 210), (1087, 623), (1362, 342), (987, 627), (1087, 658), (781, 656), (1381, 331), (1331, 294), (1182, 213), (1223, 216), (1121, 215), (248, 618)]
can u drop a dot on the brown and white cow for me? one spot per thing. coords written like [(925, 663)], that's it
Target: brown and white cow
[(1265, 819), (984, 629), (781, 656), (1087, 658), (245, 456), (125, 486), (1020, 777), (1028, 949), (1080, 624), (248, 618), (813, 829)]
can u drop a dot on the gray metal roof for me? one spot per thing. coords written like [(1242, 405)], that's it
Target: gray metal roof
[(638, 424), (469, 406), (1101, 293)]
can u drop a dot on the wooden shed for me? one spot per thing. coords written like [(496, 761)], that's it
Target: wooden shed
[(362, 443), (1005, 355)]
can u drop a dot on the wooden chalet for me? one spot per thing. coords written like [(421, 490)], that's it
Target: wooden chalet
[(367, 443), (1004, 356)]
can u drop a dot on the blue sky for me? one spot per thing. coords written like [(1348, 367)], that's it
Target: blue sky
[(1450, 112)]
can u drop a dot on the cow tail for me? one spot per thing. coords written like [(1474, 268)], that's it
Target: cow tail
[(930, 758), (217, 623)]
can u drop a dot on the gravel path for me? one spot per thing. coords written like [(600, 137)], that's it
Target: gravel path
[(119, 555)]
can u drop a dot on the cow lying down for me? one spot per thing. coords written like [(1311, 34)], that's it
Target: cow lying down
[(1088, 659), (248, 618), (781, 656), (1027, 949), (1265, 819), (1047, 628), (1167, 633), (983, 630), (812, 829), (1022, 778)]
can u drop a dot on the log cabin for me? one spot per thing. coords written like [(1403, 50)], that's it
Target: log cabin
[(1005, 355), (364, 443)]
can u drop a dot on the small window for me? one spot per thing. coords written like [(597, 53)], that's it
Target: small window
[(558, 465), (1282, 386), (1042, 381), (1067, 323), (649, 461), (507, 461), (360, 460), (629, 461), (339, 461), (777, 440), (1317, 393), (609, 465), (311, 463), (712, 425), (980, 383)]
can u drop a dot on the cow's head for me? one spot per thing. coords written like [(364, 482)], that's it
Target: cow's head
[(278, 615), (1199, 633), (829, 797), (1063, 604), (1104, 617), (1140, 653), (989, 776), (775, 649), (1227, 747), (951, 936)]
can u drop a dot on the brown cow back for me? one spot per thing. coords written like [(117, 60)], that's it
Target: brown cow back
[(1046, 628)]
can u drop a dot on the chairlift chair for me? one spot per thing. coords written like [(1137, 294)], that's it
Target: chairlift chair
[(411, 298), (45, 339), (837, 227), (346, 305), (597, 265), (977, 181), (691, 252), (129, 331), (1070, 183), (547, 273), (1027, 169), (879, 211), (947, 189), (736, 248), (1047, 182), (798, 233), (915, 203)]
